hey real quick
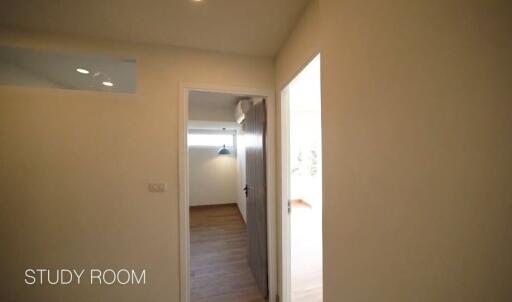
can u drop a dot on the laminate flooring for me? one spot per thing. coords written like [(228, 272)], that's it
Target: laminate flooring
[(218, 260)]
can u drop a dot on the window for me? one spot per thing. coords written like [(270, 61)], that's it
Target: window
[(211, 139)]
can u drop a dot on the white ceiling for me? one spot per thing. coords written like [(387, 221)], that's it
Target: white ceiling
[(256, 27), (212, 106), (213, 100)]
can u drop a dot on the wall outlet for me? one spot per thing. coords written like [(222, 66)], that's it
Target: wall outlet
[(157, 187)]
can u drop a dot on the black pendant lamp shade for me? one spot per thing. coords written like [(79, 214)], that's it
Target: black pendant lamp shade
[(224, 151)]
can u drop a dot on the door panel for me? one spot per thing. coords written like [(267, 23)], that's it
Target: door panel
[(255, 123)]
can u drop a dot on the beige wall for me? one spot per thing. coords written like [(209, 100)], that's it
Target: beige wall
[(74, 167), (213, 178), (301, 46), (417, 130)]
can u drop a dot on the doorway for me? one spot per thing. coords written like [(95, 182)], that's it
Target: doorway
[(302, 186), (226, 220)]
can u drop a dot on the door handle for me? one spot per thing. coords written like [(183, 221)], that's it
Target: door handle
[(246, 190)]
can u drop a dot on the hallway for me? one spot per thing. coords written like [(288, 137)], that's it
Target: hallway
[(218, 262)]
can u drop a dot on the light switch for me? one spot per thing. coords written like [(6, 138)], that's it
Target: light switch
[(157, 187)]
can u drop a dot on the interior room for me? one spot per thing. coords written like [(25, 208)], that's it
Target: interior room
[(214, 179), (302, 184), (245, 151), (218, 193)]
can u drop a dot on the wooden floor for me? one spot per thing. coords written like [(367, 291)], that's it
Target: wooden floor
[(218, 247), (306, 252)]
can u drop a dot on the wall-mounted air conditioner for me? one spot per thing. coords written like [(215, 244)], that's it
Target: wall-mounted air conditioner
[(241, 108)]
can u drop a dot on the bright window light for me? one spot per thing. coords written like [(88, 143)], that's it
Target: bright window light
[(211, 139)]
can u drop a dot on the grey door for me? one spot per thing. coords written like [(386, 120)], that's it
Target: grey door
[(255, 123)]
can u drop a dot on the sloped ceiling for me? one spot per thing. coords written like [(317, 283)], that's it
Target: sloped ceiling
[(255, 27)]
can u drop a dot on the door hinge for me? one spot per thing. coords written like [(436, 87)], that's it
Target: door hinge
[(277, 298), (289, 206)]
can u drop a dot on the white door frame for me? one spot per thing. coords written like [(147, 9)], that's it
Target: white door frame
[(285, 219), (268, 94), (285, 197)]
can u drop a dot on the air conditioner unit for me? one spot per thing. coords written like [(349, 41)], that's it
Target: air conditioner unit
[(241, 108)]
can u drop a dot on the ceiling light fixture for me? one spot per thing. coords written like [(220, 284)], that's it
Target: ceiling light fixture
[(108, 83), (83, 71), (223, 150)]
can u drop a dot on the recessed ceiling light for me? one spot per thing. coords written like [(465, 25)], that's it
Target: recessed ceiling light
[(108, 83), (197, 0), (81, 70)]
